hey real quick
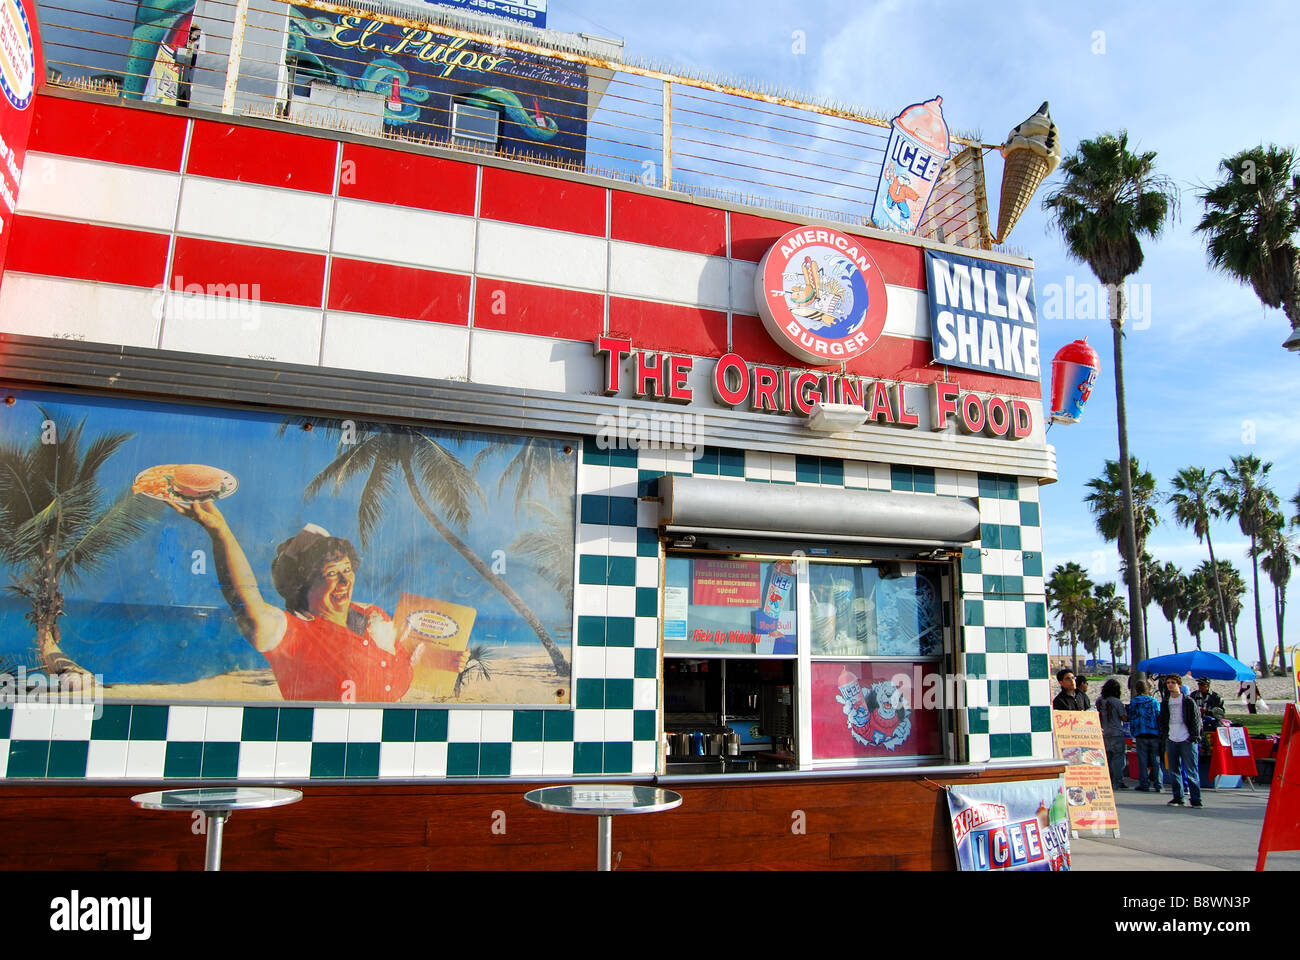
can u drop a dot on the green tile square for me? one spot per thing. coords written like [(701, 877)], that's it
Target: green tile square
[(1019, 691), (7, 716), (1029, 516), (113, 724), (974, 613), (622, 571), (995, 639), (647, 601), (832, 471), (1013, 586), (999, 693), (999, 746), (731, 463), (971, 560), (1008, 488), (494, 760), (527, 726), (1031, 564), (398, 726), (260, 724), (591, 631), (592, 569), (329, 759), (807, 469), (589, 694), (707, 463), (362, 760), (1017, 640), (647, 484), (900, 478), (993, 585), (1040, 719), (622, 457), (220, 761), (589, 758), (594, 453), (148, 723), (622, 511), (1036, 614), (462, 759), (68, 758), (620, 631), (989, 488), (1022, 745), (977, 719), (923, 479), (594, 509), (976, 665), (558, 726), (991, 535), (1010, 537), (295, 724), (28, 758), (644, 726), (618, 694), (184, 760), (618, 758), (1039, 668), (647, 542), (646, 663), (431, 726)]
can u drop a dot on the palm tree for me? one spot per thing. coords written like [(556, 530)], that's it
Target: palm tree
[(1197, 606), (1246, 496), (1251, 222), (1194, 506), (1278, 552), (1069, 593), (1234, 588), (1169, 589), (1110, 198), (1109, 620), (54, 526), (381, 451), (476, 661)]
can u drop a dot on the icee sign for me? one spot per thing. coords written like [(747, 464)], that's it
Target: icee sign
[(983, 315)]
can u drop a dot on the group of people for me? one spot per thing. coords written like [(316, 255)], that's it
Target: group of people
[(1170, 727)]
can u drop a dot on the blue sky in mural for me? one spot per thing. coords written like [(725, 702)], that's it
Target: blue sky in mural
[(149, 616)]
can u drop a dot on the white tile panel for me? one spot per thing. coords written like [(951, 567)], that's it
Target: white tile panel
[(31, 721), (412, 348), (365, 725), (329, 725), (251, 213), (644, 756), (561, 366), (513, 252), (557, 759), (88, 190), (589, 662), (430, 760), (293, 760), (80, 310), (145, 759), (498, 726), (244, 329), (396, 759), (645, 693), (653, 273), (618, 726), (909, 313), (464, 726), (620, 663), (742, 287), (371, 231), (72, 722), (257, 759), (188, 723), (526, 759), (588, 725), (224, 724), (106, 758)]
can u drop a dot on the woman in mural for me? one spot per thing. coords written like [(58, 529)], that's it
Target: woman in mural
[(323, 645)]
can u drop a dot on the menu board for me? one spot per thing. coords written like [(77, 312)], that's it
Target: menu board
[(1088, 791)]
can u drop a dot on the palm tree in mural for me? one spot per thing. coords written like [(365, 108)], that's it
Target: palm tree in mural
[(1109, 199), (1109, 620), (55, 527), (1278, 552), (1195, 505), (1252, 225), (1110, 512), (434, 477), (1069, 592), (1169, 590), (1246, 495), (476, 662)]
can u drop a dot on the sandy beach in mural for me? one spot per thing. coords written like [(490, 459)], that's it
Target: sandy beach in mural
[(517, 680)]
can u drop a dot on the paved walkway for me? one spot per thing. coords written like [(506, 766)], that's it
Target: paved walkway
[(1224, 835)]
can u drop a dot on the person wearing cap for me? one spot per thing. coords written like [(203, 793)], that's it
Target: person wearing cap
[(1209, 703), (1180, 725), (323, 645)]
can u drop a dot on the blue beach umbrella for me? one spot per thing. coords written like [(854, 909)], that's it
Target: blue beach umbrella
[(1199, 663)]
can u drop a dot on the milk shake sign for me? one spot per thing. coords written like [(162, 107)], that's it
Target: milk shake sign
[(982, 315)]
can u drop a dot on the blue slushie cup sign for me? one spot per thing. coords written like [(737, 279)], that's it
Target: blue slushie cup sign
[(914, 157)]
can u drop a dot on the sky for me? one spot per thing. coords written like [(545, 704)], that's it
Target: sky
[(1205, 374)]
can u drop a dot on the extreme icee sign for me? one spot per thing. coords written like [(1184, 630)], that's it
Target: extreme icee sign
[(982, 315)]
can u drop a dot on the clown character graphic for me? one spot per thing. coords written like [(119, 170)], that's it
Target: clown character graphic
[(900, 194), (877, 718)]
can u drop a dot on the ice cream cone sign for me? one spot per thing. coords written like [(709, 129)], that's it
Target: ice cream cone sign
[(1032, 151)]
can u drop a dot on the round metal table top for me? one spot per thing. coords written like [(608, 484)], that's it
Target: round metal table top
[(604, 799), (217, 798)]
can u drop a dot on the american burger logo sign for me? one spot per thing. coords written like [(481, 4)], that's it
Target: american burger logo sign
[(820, 295)]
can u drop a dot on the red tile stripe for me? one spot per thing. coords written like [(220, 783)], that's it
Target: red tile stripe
[(539, 311), (538, 201), (407, 179), (662, 326), (108, 133), (410, 293), (668, 223), (278, 276), (81, 251), (268, 157)]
